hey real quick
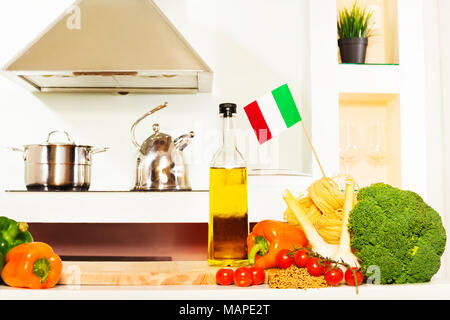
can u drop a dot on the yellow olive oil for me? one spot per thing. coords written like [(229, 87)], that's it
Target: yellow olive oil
[(228, 218)]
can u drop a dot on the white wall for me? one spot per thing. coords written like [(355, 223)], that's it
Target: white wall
[(434, 121), (251, 52), (437, 56), (444, 25), (444, 10), (435, 111)]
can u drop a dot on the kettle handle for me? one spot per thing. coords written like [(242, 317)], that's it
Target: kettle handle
[(133, 127)]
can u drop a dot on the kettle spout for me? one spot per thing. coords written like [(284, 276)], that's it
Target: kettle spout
[(183, 141)]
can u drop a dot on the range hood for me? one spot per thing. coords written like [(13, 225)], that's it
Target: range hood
[(117, 46)]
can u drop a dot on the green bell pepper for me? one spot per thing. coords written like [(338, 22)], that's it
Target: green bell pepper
[(12, 234)]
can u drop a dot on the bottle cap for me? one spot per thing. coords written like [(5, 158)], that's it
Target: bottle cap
[(227, 109)]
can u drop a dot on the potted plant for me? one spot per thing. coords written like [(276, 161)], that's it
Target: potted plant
[(354, 29)]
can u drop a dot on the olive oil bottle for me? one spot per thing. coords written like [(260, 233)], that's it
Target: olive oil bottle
[(228, 217)]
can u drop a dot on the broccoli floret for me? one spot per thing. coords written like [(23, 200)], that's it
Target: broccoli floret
[(398, 232)]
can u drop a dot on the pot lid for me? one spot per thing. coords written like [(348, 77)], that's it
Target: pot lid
[(68, 141)]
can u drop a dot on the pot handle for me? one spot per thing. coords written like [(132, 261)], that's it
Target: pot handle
[(100, 150), (23, 151), (15, 149), (133, 127), (94, 151), (60, 131)]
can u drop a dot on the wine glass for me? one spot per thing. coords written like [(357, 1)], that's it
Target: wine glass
[(377, 145), (349, 147)]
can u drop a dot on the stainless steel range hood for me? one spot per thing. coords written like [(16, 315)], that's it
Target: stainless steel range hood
[(114, 46)]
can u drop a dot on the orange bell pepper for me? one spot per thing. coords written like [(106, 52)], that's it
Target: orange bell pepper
[(269, 237), (32, 265)]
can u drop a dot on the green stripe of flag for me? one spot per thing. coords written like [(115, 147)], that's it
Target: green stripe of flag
[(286, 105)]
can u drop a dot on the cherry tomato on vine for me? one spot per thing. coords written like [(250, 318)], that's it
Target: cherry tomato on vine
[(243, 277), (315, 267), (224, 277), (328, 266), (258, 275), (350, 278), (283, 260), (333, 276), (301, 258)]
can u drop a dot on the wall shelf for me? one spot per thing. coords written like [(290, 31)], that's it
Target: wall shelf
[(367, 78)]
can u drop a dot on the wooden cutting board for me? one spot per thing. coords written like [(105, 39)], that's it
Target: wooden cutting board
[(148, 273)]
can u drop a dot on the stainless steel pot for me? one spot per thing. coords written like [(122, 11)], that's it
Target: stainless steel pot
[(58, 166)]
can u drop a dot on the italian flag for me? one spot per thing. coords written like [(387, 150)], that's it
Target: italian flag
[(273, 113)]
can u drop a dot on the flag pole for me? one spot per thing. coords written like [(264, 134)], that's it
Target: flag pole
[(312, 147)]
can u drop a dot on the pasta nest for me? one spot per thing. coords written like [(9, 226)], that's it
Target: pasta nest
[(323, 206)]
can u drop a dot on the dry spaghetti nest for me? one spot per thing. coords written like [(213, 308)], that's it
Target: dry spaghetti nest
[(324, 207), (294, 278)]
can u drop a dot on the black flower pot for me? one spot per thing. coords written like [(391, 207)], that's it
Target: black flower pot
[(353, 50)]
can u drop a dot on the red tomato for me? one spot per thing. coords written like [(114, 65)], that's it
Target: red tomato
[(301, 258), (243, 277), (224, 277), (350, 278), (333, 276), (258, 275), (283, 260), (315, 267)]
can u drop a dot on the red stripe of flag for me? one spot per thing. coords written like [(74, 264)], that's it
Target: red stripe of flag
[(258, 122)]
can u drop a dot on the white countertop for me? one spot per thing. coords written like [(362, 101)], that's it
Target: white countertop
[(437, 289)]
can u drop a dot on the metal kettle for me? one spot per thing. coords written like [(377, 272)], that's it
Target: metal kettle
[(160, 162)]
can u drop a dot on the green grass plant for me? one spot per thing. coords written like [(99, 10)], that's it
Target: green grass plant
[(355, 22)]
